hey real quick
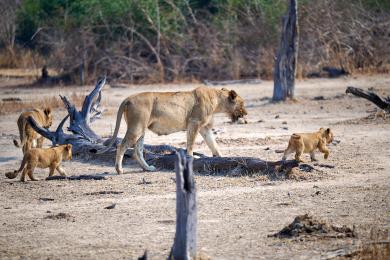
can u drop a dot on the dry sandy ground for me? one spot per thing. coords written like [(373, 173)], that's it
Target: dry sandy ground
[(236, 214)]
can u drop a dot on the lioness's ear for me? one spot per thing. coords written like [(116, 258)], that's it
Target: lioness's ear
[(68, 147), (232, 95), (47, 111), (224, 89), (328, 130)]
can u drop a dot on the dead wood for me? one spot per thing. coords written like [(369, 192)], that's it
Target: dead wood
[(184, 246), (286, 60), (77, 177), (382, 103)]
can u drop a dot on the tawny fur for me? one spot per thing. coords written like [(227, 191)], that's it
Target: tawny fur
[(43, 158), (308, 143), (170, 112), (28, 137)]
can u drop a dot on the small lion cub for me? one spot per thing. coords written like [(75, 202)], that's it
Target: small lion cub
[(308, 143), (43, 158)]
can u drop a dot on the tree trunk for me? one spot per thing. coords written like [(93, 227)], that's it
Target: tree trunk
[(286, 61), (184, 246)]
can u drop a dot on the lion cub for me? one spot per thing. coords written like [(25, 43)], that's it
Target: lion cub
[(28, 137), (308, 143), (43, 158)]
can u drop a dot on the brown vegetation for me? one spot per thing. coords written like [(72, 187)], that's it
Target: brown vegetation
[(12, 105)]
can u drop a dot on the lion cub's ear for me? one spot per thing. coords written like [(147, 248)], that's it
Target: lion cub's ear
[(328, 130), (232, 95), (47, 111), (224, 89), (68, 147)]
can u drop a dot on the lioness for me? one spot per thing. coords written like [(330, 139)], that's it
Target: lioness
[(43, 158), (308, 143), (28, 137), (170, 112)]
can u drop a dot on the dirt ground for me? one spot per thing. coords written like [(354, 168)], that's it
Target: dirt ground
[(236, 215)]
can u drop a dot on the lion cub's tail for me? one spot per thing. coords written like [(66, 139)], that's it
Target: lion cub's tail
[(295, 138), (14, 174), (22, 133), (118, 123), (16, 143)]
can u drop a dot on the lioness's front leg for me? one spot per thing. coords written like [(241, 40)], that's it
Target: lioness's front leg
[(192, 132), (209, 138), (61, 170)]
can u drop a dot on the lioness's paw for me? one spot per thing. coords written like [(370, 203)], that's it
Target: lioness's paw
[(119, 170), (150, 169)]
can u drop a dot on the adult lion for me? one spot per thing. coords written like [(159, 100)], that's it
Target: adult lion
[(169, 112), (28, 137)]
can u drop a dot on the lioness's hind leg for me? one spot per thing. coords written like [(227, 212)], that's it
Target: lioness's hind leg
[(139, 155), (192, 132), (128, 141), (52, 169)]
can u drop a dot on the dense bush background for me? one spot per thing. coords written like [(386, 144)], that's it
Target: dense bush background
[(176, 40)]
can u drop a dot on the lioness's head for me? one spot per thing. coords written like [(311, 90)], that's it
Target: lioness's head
[(67, 152), (327, 134), (48, 116), (235, 105)]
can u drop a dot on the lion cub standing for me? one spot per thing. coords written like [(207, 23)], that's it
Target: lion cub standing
[(308, 143), (28, 137), (43, 158)]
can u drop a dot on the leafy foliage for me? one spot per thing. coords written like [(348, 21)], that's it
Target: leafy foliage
[(173, 39)]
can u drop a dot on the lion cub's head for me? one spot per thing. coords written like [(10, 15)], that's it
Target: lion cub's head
[(327, 134), (235, 105), (48, 116), (67, 153)]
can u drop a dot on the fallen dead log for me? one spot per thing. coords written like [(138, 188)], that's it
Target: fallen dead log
[(86, 143), (77, 177), (382, 103), (237, 165)]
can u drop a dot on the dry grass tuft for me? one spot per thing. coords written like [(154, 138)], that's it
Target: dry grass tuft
[(14, 105)]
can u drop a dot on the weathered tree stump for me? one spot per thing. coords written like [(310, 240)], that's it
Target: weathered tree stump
[(184, 246), (286, 60)]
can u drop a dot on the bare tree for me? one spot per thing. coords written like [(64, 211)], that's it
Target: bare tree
[(286, 61)]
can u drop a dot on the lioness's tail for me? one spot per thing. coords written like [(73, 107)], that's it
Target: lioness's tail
[(12, 175), (118, 123)]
